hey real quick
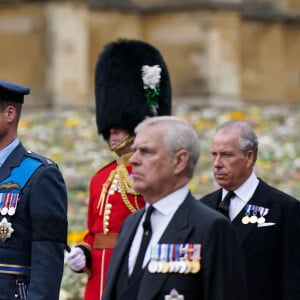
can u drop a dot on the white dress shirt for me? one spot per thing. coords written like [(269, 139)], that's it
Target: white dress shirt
[(242, 195), (160, 218)]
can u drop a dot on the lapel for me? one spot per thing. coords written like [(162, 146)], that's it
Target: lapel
[(213, 199), (12, 161), (261, 197), (122, 247), (178, 231)]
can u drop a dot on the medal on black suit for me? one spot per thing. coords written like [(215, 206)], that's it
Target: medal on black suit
[(153, 264), (246, 218), (253, 218), (263, 212), (195, 263)]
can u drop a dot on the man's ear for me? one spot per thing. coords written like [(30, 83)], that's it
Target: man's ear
[(250, 158), (180, 160), (10, 113)]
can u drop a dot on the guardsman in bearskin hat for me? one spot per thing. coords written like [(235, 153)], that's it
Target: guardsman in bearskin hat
[(33, 211), (131, 83)]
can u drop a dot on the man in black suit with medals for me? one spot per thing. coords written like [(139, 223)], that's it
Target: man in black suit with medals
[(33, 211), (192, 251), (266, 220)]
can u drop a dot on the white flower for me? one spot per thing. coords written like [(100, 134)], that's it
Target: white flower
[(151, 76)]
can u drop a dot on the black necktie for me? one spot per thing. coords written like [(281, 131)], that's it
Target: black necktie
[(144, 244), (224, 205)]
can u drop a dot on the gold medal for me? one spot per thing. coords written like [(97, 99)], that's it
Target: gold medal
[(246, 219), (195, 262), (195, 266), (166, 267)]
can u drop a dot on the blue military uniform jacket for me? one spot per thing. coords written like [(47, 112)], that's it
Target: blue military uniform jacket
[(33, 234)]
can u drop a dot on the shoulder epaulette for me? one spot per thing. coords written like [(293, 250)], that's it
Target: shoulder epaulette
[(41, 158)]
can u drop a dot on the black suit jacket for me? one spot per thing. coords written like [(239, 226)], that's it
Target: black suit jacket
[(271, 253), (221, 276)]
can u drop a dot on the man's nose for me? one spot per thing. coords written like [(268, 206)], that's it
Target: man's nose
[(132, 159), (217, 161)]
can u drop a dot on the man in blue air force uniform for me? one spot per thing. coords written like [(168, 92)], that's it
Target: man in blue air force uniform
[(33, 211)]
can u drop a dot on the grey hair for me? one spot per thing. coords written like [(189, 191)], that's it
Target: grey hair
[(177, 135), (247, 137)]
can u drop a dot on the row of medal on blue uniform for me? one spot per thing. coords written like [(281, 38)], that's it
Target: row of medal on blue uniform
[(8, 203), (175, 258), (255, 214)]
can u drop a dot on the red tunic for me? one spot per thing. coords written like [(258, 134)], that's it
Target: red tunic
[(105, 218)]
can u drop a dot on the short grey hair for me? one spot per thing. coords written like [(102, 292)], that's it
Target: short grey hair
[(177, 135), (247, 137)]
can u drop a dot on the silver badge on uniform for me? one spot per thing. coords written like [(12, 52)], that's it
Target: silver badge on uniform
[(5, 230), (174, 295)]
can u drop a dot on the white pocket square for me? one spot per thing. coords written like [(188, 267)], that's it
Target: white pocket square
[(266, 224)]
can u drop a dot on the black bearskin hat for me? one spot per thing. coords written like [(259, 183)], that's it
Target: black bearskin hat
[(123, 99)]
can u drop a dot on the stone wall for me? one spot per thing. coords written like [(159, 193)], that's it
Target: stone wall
[(216, 54), (271, 65), (23, 50)]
